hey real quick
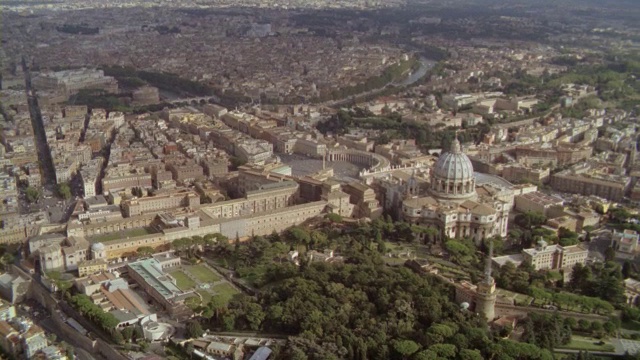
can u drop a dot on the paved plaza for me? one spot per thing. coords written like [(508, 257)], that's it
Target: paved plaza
[(302, 165), (627, 346)]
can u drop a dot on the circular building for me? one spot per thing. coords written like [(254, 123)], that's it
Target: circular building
[(98, 251), (452, 177)]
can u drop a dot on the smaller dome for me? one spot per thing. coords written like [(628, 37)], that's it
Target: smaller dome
[(97, 247), (464, 306)]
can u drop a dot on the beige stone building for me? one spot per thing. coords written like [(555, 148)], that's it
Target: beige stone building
[(126, 181), (537, 202), (611, 187), (268, 198), (364, 198), (554, 257), (169, 200), (519, 173), (186, 173), (90, 267)]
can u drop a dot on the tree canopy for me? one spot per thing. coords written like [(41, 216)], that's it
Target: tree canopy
[(358, 309)]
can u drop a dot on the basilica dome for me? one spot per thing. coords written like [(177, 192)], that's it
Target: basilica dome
[(454, 164), (452, 176)]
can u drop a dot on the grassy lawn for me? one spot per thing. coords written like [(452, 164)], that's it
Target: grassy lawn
[(182, 280), (225, 290), (206, 296), (202, 273), (589, 344), (121, 235), (555, 275)]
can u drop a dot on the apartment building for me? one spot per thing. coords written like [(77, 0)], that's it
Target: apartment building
[(185, 173)]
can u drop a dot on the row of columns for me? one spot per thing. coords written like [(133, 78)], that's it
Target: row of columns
[(450, 187), (359, 158)]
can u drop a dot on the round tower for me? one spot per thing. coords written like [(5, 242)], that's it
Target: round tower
[(486, 299), (486, 291)]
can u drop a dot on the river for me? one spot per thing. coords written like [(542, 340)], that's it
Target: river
[(425, 66)]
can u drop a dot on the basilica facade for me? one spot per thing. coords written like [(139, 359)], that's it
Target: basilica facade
[(452, 203)]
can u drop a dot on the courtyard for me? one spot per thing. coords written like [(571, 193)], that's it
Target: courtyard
[(204, 280)]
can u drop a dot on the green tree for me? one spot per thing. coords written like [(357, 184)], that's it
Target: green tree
[(32, 194), (254, 316), (460, 253), (334, 218), (619, 214), (145, 251), (117, 336), (530, 219), (127, 333), (6, 260), (596, 327), (405, 348), (444, 351), (609, 254), (426, 355), (193, 302), (194, 329), (138, 333), (567, 237), (298, 235), (468, 354), (144, 345), (217, 303), (64, 191)]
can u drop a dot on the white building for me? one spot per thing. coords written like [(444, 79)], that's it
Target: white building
[(625, 242), (553, 257)]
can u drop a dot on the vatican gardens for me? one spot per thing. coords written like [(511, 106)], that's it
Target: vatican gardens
[(367, 305)]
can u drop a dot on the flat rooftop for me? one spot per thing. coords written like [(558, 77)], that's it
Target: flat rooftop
[(148, 269), (516, 259), (121, 235), (542, 198)]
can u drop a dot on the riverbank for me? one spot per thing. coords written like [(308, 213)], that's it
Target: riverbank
[(424, 66)]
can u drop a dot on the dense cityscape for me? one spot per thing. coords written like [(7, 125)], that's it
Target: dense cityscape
[(314, 180)]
